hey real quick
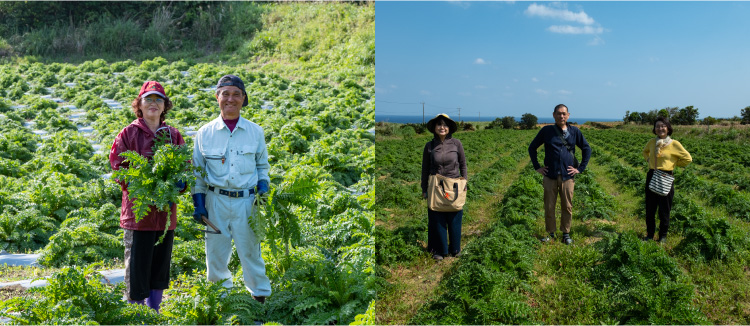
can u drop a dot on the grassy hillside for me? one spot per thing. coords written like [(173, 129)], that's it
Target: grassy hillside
[(328, 41)]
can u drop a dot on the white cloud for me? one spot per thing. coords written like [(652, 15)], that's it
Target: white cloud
[(394, 86), (480, 61), (541, 91), (379, 90), (464, 93), (610, 84), (534, 79), (560, 14), (423, 92), (462, 4), (480, 87), (564, 92), (567, 29), (653, 59), (596, 40)]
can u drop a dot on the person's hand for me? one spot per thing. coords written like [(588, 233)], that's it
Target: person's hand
[(199, 202), (262, 187), (572, 171), (424, 195), (180, 185), (542, 170)]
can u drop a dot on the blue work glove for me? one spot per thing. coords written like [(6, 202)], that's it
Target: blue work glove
[(199, 201), (180, 185), (262, 187)]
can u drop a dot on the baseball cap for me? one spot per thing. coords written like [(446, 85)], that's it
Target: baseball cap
[(232, 80), (152, 87)]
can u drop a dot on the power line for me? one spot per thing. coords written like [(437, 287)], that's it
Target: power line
[(395, 102)]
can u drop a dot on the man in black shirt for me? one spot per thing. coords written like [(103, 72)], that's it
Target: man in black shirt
[(560, 167)]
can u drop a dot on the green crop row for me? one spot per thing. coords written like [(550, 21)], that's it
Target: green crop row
[(487, 284), (717, 194), (704, 237), (398, 195), (53, 199)]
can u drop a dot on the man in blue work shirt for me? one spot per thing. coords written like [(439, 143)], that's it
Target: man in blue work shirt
[(560, 167)]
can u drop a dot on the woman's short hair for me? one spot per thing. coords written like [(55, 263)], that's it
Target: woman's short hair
[(664, 120), (136, 105)]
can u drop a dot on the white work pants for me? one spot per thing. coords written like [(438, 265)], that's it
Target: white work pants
[(230, 215)]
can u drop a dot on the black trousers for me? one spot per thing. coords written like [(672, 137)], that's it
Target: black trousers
[(664, 205), (146, 264), (444, 232)]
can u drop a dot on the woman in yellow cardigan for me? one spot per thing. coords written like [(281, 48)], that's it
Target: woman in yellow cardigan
[(662, 153)]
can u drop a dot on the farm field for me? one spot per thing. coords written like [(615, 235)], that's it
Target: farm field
[(57, 198), (505, 275)]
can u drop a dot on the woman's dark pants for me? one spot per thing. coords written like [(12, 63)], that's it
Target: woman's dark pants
[(664, 203), (440, 223)]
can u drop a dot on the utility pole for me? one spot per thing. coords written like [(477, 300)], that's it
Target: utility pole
[(459, 114), (423, 112)]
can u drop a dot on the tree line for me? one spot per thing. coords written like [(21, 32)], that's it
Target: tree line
[(680, 116)]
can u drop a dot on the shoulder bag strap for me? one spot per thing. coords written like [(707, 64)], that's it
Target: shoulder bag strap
[(565, 142)]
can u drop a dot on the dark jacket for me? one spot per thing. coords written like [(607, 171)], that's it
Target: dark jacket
[(449, 159), (138, 137), (556, 155)]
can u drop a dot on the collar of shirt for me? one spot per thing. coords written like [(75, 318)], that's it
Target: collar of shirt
[(242, 123)]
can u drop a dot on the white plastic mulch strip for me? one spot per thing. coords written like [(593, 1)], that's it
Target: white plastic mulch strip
[(110, 277)]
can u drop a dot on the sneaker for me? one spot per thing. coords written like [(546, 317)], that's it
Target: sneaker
[(647, 238), (457, 254), (260, 299), (566, 239), (662, 239), (437, 257), (548, 238)]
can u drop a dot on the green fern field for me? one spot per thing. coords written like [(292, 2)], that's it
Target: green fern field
[(315, 103), (505, 275)]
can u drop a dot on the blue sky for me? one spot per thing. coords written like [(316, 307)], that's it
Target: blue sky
[(599, 58)]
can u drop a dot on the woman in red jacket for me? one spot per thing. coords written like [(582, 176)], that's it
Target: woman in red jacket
[(146, 264)]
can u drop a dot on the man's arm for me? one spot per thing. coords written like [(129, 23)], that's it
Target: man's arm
[(585, 150), (261, 158), (199, 161), (538, 141)]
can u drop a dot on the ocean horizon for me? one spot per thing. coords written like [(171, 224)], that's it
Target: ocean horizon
[(418, 119)]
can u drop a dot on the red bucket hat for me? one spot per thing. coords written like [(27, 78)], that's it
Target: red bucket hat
[(152, 87)]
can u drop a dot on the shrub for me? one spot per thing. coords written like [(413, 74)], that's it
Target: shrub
[(645, 284), (711, 238), (528, 121), (400, 245)]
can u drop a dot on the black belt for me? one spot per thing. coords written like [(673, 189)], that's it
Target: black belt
[(233, 194)]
